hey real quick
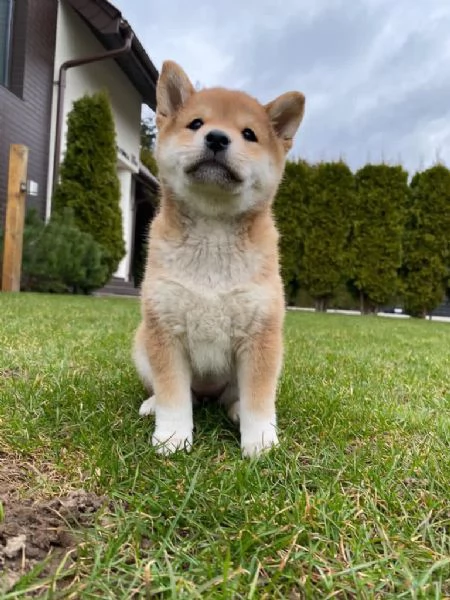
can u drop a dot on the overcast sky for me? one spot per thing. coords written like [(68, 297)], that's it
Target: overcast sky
[(376, 73)]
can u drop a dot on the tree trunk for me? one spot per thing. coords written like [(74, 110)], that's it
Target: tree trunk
[(320, 304), (366, 306)]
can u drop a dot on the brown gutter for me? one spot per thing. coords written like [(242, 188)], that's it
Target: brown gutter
[(76, 62)]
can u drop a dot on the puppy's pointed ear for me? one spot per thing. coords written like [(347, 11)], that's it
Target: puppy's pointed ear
[(286, 114), (173, 90)]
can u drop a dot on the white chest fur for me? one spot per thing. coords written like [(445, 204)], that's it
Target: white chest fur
[(207, 295)]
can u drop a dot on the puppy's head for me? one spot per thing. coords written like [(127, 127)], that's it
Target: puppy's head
[(221, 151)]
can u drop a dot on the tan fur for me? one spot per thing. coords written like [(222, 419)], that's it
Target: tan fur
[(212, 296)]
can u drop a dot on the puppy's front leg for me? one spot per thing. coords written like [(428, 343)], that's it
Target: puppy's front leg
[(172, 386), (259, 365)]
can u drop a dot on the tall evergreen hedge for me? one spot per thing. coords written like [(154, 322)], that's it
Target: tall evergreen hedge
[(289, 212), (378, 225), (324, 263), (89, 184), (372, 233), (426, 263)]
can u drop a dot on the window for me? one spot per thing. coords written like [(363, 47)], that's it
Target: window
[(6, 18)]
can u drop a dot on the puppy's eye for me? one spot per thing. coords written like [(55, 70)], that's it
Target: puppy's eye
[(249, 135), (195, 124)]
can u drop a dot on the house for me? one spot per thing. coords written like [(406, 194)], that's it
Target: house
[(52, 52)]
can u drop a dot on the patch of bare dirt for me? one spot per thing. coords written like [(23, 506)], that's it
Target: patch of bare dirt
[(38, 531), (9, 373)]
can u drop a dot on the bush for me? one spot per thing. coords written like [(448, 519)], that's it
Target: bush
[(377, 233), (58, 257), (89, 183), (148, 160), (426, 262), (148, 138), (323, 266), (289, 212)]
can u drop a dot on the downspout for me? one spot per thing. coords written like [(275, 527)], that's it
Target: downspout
[(76, 62)]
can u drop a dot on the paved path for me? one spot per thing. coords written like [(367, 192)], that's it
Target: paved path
[(356, 313)]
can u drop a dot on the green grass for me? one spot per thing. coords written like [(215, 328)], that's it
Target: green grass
[(353, 504)]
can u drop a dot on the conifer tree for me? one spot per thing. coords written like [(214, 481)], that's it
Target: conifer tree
[(377, 232), (327, 224), (148, 139), (89, 183), (426, 263), (289, 212)]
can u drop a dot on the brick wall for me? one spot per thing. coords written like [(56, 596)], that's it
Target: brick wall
[(25, 108)]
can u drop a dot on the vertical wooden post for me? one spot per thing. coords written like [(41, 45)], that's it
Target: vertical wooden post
[(15, 218)]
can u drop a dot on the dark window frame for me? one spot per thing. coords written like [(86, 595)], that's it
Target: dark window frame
[(15, 47), (6, 67)]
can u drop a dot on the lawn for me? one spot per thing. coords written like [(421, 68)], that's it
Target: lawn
[(353, 504)]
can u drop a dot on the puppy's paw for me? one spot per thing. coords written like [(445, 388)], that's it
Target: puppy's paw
[(233, 412), (148, 407), (168, 442), (257, 440)]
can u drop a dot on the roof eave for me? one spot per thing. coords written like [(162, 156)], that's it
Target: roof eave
[(109, 27)]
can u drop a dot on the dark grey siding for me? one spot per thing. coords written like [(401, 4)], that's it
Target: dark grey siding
[(25, 108)]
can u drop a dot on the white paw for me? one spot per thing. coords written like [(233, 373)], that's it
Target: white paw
[(234, 412), (167, 442), (148, 407), (258, 440)]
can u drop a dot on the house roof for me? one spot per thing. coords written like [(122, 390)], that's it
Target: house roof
[(110, 28)]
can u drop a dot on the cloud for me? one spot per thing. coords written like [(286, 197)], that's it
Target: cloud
[(374, 72)]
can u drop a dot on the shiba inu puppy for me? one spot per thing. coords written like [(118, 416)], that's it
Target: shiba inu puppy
[(212, 296)]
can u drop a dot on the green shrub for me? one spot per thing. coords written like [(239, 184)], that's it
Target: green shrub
[(148, 137), (324, 263), (58, 257), (289, 212), (377, 233), (89, 183), (148, 160), (426, 263)]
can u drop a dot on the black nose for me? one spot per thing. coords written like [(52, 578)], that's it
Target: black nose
[(217, 140)]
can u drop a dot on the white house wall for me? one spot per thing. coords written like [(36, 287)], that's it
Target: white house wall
[(75, 40)]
